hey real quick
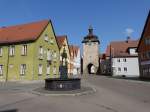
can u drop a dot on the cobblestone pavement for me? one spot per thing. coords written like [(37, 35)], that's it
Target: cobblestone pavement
[(112, 95)]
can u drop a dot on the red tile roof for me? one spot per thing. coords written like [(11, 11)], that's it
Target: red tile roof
[(74, 50), (120, 48), (107, 52), (22, 33), (60, 40)]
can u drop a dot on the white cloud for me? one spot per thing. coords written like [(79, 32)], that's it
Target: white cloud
[(129, 31)]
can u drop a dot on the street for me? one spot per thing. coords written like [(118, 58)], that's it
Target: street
[(112, 95)]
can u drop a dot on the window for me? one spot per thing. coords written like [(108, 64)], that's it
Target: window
[(22, 69), (1, 51), (118, 60), (119, 69), (49, 55), (46, 37), (12, 50), (24, 50), (125, 69), (41, 52), (124, 60), (48, 69), (54, 70), (40, 69), (51, 41), (148, 54), (147, 41), (54, 54), (1, 70)]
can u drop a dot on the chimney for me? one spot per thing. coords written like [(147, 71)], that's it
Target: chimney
[(128, 39)]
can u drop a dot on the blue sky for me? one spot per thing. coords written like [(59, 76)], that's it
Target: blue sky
[(109, 18)]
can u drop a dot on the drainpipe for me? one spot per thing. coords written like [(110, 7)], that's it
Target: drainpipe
[(7, 64), (110, 61)]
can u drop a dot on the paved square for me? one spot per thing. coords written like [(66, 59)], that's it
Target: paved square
[(112, 95)]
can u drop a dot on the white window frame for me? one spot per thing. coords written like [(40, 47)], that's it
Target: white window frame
[(22, 69), (1, 70), (12, 50), (41, 51), (125, 69), (118, 60), (24, 50), (48, 69), (40, 69), (51, 40), (119, 69), (46, 37), (1, 51), (55, 54), (49, 55), (124, 59), (54, 70)]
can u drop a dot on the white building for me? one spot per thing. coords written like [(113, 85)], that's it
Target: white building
[(124, 58), (75, 60)]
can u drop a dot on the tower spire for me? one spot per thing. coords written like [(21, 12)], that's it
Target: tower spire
[(90, 30)]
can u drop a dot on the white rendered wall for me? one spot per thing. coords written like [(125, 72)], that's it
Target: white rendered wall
[(90, 55), (131, 64), (77, 64)]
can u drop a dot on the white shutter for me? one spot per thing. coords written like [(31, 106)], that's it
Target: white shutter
[(55, 54), (21, 69), (1, 69), (24, 68), (1, 51), (48, 69), (22, 50), (54, 70), (46, 37), (40, 69), (10, 51), (40, 52), (48, 55)]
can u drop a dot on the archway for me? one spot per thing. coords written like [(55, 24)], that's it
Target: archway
[(91, 68)]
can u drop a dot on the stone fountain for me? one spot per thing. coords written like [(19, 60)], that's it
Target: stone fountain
[(63, 83)]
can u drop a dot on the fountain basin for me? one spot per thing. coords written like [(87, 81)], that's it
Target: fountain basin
[(58, 84)]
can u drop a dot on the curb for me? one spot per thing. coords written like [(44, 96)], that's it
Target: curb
[(74, 94), (128, 80)]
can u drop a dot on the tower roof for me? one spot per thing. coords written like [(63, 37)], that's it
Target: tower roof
[(90, 37)]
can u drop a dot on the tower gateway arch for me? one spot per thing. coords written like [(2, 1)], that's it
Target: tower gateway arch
[(90, 53)]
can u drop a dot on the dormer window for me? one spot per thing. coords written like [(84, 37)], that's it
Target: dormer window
[(132, 51)]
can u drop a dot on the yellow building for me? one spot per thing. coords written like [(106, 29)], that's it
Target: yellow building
[(63, 44), (28, 52)]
